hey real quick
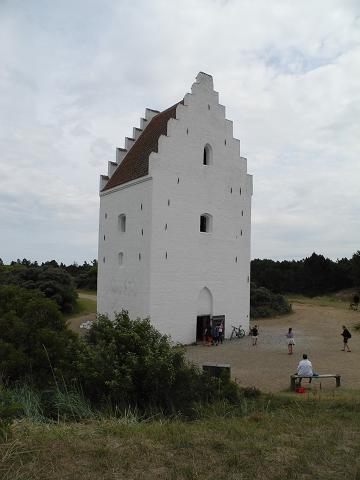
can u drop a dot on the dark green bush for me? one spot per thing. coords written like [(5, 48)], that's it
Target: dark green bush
[(35, 342), (264, 303), (128, 362), (55, 283), (120, 363), (9, 410)]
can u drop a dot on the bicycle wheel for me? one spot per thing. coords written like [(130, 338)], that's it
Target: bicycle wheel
[(232, 335), (241, 333)]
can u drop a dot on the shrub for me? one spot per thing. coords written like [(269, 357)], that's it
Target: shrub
[(35, 341), (8, 411), (128, 362), (52, 281), (264, 303)]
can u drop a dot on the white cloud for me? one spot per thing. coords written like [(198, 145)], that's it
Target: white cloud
[(76, 77)]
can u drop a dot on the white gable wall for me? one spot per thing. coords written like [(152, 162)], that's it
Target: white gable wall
[(196, 260)]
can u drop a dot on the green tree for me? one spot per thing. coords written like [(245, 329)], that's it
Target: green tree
[(55, 283), (35, 341), (355, 268)]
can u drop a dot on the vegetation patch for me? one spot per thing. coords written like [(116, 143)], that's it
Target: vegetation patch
[(83, 306), (319, 301), (264, 303), (278, 437)]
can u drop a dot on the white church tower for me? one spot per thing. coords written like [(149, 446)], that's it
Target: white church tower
[(175, 211)]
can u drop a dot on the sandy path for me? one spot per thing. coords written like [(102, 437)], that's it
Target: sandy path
[(268, 365), (89, 296), (75, 322)]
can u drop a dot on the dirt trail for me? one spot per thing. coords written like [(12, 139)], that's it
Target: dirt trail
[(268, 365), (89, 296), (75, 322)]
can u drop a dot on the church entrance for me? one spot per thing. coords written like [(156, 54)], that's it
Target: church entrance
[(204, 312), (202, 321)]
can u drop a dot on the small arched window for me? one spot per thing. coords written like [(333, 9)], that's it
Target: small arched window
[(207, 155), (121, 258), (206, 223), (122, 222)]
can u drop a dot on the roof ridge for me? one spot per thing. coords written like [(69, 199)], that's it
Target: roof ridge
[(136, 162)]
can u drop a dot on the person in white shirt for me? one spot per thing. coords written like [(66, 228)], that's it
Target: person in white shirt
[(305, 368)]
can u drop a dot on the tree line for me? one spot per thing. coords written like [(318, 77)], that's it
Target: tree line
[(314, 275)]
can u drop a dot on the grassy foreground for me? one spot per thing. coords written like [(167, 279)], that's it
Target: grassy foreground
[(279, 437)]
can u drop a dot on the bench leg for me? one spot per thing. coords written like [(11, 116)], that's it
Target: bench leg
[(337, 381), (292, 384)]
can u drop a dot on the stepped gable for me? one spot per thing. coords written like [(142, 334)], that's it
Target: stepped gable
[(136, 162)]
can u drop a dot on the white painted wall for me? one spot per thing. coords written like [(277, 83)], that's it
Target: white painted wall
[(180, 260), (197, 260), (125, 286)]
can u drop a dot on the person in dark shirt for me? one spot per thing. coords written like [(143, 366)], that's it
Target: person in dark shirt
[(255, 335), (346, 336)]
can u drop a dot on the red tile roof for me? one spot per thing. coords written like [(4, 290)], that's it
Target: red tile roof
[(136, 162)]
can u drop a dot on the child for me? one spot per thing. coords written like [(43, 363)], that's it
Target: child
[(291, 341), (254, 334)]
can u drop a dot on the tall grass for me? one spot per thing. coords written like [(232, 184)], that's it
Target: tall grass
[(271, 437), (29, 400), (56, 404)]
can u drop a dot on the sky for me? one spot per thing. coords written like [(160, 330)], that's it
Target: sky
[(77, 75)]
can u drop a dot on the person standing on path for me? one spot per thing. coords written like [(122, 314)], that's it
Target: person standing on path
[(346, 336), (255, 334), (291, 341), (221, 332), (215, 335)]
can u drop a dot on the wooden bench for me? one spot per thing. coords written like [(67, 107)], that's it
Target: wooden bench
[(293, 378)]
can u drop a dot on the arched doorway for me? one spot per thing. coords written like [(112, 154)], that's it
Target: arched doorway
[(204, 312)]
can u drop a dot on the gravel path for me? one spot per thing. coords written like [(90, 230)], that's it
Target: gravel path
[(268, 365)]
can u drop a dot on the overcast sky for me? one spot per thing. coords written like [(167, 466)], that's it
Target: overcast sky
[(76, 76)]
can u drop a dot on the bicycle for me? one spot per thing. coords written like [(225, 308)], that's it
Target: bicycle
[(237, 332)]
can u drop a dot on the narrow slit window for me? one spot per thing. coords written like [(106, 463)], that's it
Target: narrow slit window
[(121, 258), (207, 155), (122, 222)]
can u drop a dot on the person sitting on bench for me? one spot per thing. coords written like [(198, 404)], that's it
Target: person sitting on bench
[(304, 368)]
